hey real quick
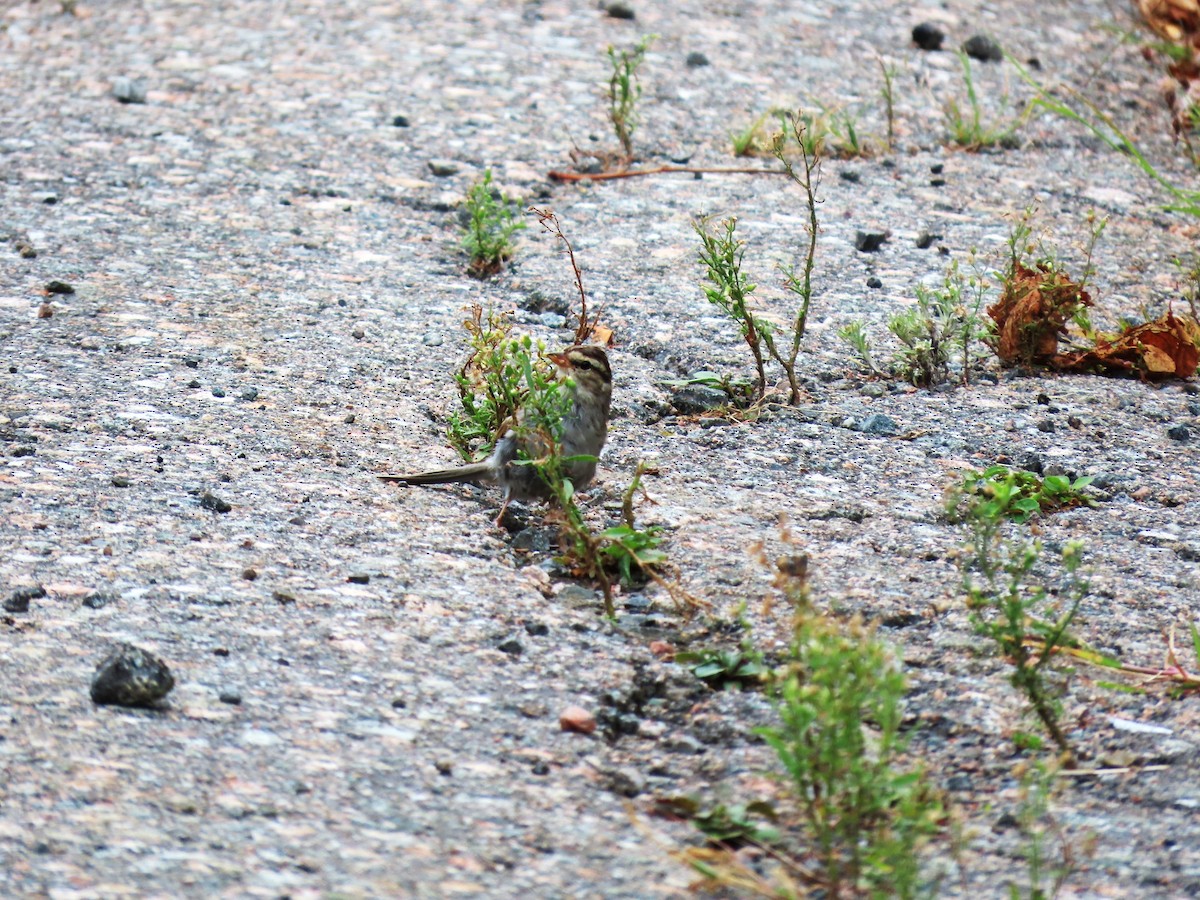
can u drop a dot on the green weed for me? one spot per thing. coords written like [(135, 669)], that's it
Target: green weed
[(491, 224), (999, 492), (968, 127), (625, 90)]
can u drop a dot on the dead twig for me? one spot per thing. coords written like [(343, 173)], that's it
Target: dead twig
[(659, 170)]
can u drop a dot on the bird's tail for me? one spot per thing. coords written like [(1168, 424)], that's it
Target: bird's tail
[(480, 471)]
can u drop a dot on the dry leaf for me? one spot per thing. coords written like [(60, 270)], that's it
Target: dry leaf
[(1164, 348), (1032, 313)]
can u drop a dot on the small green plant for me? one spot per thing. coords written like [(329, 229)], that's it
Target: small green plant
[(740, 391), (728, 668), (841, 125), (1189, 277), (944, 325), (999, 492), (738, 824), (489, 383), (1043, 837), (1026, 620), (751, 141), (625, 90), (888, 94), (839, 695), (967, 126), (729, 289), (491, 224)]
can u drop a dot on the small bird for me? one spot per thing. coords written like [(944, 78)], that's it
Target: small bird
[(584, 429)]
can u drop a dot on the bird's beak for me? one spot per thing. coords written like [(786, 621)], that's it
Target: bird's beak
[(559, 359)]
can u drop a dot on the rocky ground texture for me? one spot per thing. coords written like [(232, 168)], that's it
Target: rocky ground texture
[(253, 207)]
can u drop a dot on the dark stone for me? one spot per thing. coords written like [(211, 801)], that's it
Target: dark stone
[(537, 629), (99, 599), (59, 287), (19, 601), (540, 768), (249, 393), (937, 168), (1179, 433), (400, 121), (131, 676), (983, 48), (878, 423), (696, 59), (937, 182), (925, 240), (849, 175), (928, 36), (874, 283), (359, 578), (1031, 462), (233, 698), (618, 9), (870, 241), (1046, 425), (511, 645), (698, 398), (212, 502), (1043, 399), (218, 392)]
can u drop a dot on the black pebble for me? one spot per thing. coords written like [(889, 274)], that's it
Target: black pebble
[(131, 676), (619, 9), (869, 241), (1179, 433), (537, 629), (400, 121), (874, 282), (512, 646), (925, 240), (211, 501), (983, 48), (59, 287), (850, 176), (696, 59), (99, 599), (928, 36), (19, 601), (218, 392), (359, 579)]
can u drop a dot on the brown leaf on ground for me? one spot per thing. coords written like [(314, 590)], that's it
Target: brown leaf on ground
[(1033, 311), (1164, 348), (1172, 19)]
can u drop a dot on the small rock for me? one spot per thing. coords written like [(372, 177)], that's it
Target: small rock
[(432, 339), (400, 121), (1031, 462), (1046, 425), (129, 90), (662, 650), (99, 599), (874, 283), (533, 540), (91, 342), (121, 481), (283, 598), (233, 698), (194, 383), (214, 503), (576, 596), (249, 574), (249, 393), (983, 48), (218, 392), (1179, 433), (59, 287), (444, 767), (512, 646), (618, 9), (925, 240), (537, 629), (849, 175), (577, 719), (873, 389), (625, 781), (870, 241), (683, 743), (696, 59), (878, 423), (45, 311), (359, 578), (443, 168), (698, 398), (358, 333), (192, 362), (19, 601), (131, 676), (26, 250), (928, 36)]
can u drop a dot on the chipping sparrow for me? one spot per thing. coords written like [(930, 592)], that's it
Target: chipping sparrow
[(584, 429)]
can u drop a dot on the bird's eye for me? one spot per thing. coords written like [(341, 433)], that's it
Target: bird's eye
[(582, 364)]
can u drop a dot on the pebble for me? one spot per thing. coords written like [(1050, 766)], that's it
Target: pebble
[(432, 339), (1179, 433), (696, 59), (400, 121), (577, 719), (249, 393), (983, 48), (121, 481), (511, 645), (218, 392), (537, 629), (698, 398), (443, 168), (90, 342), (869, 241), (211, 501), (99, 599), (129, 90), (131, 676), (874, 283), (928, 36), (18, 602), (59, 287), (619, 9), (878, 423), (233, 698)]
